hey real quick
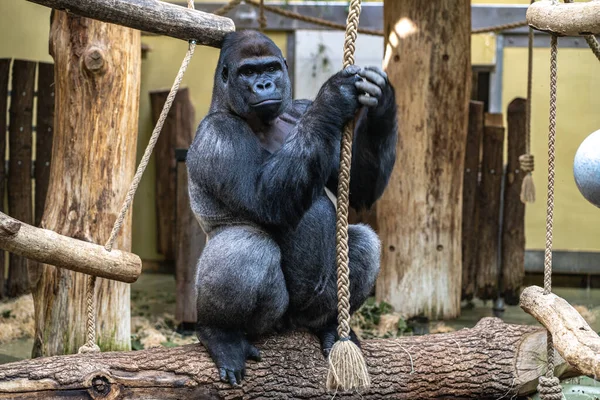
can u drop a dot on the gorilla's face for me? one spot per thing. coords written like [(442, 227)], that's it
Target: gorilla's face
[(254, 77)]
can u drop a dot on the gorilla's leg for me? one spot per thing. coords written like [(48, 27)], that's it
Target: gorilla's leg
[(313, 302), (240, 290)]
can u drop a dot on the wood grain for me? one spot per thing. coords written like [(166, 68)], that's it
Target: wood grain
[(4, 77), (574, 19)]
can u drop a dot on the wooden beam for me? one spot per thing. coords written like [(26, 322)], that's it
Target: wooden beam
[(573, 338), (4, 77), (52, 248), (489, 361), (152, 16), (565, 19)]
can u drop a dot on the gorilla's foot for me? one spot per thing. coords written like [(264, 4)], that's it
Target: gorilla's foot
[(328, 336), (229, 350)]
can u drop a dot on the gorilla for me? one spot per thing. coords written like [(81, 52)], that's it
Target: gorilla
[(259, 168)]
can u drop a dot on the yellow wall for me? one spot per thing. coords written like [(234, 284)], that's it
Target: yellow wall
[(24, 34)]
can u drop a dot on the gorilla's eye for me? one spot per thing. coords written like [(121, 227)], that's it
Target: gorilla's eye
[(247, 71), (271, 69)]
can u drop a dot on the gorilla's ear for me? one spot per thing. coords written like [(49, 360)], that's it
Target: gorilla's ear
[(285, 62), (225, 73)]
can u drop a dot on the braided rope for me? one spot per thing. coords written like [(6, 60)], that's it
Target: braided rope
[(343, 271), (499, 28), (227, 7), (91, 346), (549, 386), (526, 161), (262, 20)]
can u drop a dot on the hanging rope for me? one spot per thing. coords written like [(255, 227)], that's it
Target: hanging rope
[(262, 20), (526, 160), (549, 386), (227, 7), (347, 367), (90, 345)]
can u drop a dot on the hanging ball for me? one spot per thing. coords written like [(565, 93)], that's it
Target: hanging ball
[(586, 168)]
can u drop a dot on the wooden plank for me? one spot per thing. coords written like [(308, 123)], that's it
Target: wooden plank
[(513, 226), (488, 211), (470, 183), (20, 196), (4, 76), (177, 132), (190, 243), (153, 16), (44, 134)]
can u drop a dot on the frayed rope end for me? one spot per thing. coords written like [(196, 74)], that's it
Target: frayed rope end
[(528, 189), (347, 367)]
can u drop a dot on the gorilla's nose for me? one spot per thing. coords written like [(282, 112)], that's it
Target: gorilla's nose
[(264, 88)]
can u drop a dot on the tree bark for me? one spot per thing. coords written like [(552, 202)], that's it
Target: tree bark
[(419, 217), (470, 235), (97, 76), (513, 225), (565, 19), (154, 16), (488, 210), (4, 76), (492, 360)]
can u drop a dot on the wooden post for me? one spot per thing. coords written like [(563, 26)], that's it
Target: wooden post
[(513, 225), (97, 78), (20, 196), (177, 132), (470, 236), (488, 218), (4, 74), (489, 361), (419, 217), (154, 16), (190, 243), (44, 134)]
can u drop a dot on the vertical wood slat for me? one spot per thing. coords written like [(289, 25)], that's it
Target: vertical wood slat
[(488, 208), (44, 134), (513, 227), (176, 133), (470, 183), (20, 199), (190, 243), (4, 76)]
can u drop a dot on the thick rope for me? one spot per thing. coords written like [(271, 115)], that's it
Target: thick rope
[(526, 160), (500, 28), (347, 367), (549, 386), (227, 7), (91, 346), (262, 20)]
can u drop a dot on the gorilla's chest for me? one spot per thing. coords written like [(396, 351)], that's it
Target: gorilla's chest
[(273, 136)]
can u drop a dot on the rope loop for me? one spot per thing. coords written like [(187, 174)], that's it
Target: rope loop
[(550, 388), (526, 162)]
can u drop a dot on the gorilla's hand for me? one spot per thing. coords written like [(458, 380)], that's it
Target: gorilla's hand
[(340, 93), (373, 86)]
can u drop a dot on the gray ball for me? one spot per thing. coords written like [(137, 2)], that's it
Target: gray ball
[(586, 168)]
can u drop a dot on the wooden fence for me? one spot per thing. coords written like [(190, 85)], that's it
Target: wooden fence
[(493, 231), (27, 115)]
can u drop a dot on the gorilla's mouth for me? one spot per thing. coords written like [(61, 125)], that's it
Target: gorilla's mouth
[(266, 102)]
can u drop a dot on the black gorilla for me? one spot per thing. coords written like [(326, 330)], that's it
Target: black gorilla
[(258, 169)]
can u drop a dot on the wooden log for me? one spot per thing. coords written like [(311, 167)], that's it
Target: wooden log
[(488, 209), (49, 247), (489, 361), (513, 226), (420, 214), (44, 134), (470, 182), (574, 19), (159, 17), (178, 132), (189, 245), (93, 162), (20, 195), (4, 76), (573, 338)]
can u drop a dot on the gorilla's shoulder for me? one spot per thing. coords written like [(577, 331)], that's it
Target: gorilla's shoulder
[(296, 111)]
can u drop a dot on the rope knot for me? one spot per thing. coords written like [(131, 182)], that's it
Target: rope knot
[(549, 388), (86, 348), (526, 162)]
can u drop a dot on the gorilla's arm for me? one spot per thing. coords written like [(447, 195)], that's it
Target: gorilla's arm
[(227, 161), (373, 152)]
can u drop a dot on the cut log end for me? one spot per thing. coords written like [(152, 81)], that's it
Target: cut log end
[(572, 19)]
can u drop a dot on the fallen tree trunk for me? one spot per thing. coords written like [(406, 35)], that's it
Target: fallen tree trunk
[(573, 338), (493, 359), (152, 16), (49, 247), (574, 19)]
